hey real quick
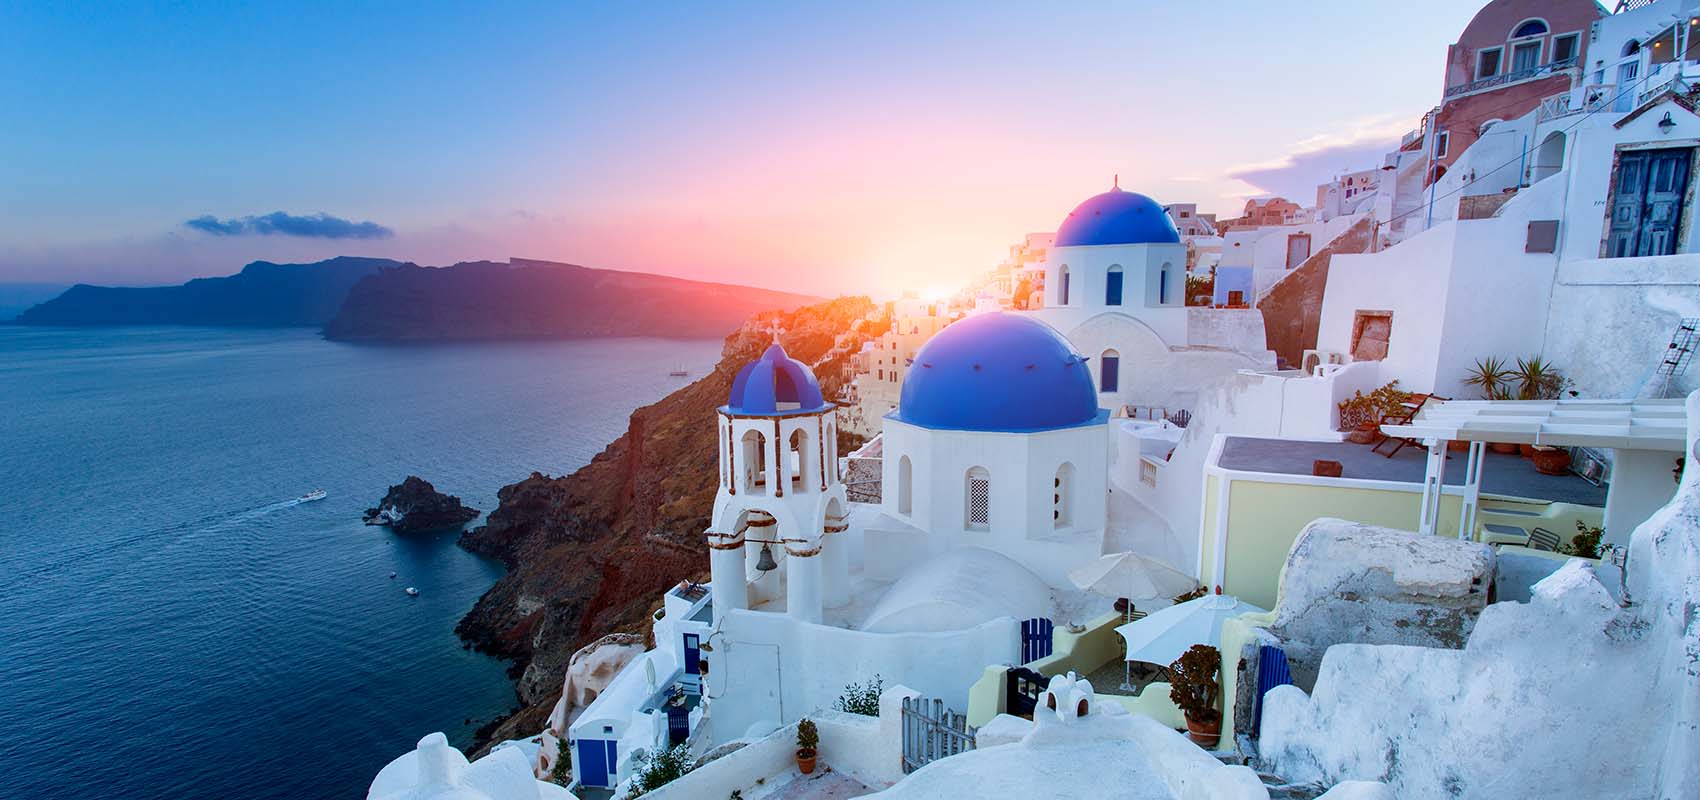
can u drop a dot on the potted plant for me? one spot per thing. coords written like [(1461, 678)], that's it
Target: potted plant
[(1506, 448), (1194, 687), (807, 739), (1551, 460)]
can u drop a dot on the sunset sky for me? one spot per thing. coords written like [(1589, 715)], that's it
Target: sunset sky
[(845, 147)]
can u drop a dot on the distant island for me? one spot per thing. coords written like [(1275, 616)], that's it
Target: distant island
[(263, 294), (525, 299), (382, 300)]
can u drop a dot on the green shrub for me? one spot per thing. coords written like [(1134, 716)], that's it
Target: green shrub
[(1586, 544), (862, 698), (808, 737), (661, 767), (562, 772), (1361, 408)]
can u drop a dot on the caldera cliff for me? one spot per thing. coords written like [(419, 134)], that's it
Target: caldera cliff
[(591, 553)]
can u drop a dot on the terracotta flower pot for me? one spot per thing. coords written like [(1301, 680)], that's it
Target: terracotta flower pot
[(1204, 734), (805, 761), (1458, 445), (1526, 450), (1551, 460), (1505, 448)]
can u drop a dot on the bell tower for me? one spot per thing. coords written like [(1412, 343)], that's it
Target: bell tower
[(780, 497)]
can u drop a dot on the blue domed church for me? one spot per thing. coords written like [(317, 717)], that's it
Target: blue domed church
[(1115, 286), (998, 442)]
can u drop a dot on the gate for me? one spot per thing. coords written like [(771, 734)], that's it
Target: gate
[(932, 732), (1272, 671), (1022, 688), (1035, 639)]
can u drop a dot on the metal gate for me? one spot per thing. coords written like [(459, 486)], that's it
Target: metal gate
[(932, 732), (1035, 639), (1022, 688)]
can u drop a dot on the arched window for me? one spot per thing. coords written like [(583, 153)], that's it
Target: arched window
[(905, 486), (1061, 488), (1109, 371), (1533, 27), (1113, 287), (1549, 158), (752, 460), (797, 460), (1062, 285), (978, 513), (1631, 48)]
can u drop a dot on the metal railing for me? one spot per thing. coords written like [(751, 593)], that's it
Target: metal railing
[(1508, 78)]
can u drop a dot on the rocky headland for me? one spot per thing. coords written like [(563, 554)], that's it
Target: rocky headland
[(415, 506), (591, 553)]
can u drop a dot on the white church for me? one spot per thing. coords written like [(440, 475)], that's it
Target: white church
[(1115, 286)]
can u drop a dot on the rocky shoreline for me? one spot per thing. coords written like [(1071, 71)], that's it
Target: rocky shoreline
[(591, 553)]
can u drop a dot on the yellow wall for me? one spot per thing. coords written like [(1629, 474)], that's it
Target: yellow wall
[(1207, 544), (1265, 518)]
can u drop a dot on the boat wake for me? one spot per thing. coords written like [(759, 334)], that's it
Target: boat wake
[(210, 523)]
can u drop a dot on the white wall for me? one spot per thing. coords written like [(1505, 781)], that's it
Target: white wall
[(1022, 467), (770, 668)]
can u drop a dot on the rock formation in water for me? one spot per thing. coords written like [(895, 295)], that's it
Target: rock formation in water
[(525, 299), (592, 553), (414, 506), (263, 294)]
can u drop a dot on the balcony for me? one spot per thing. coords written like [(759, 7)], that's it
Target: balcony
[(1506, 79)]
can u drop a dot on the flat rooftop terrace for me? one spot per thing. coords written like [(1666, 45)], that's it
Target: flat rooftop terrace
[(1502, 474)]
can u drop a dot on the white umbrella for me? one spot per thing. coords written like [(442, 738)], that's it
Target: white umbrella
[(1134, 577), (1163, 636)]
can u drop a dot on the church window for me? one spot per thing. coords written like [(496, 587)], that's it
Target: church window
[(905, 484), (1113, 287), (1109, 371), (979, 511)]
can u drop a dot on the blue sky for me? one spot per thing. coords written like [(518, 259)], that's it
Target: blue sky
[(822, 147)]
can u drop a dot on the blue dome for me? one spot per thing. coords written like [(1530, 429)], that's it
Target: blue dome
[(775, 384), (1117, 217), (998, 372)]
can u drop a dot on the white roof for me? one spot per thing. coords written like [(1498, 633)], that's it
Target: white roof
[(1625, 424)]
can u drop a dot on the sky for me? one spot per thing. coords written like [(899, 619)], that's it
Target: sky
[(828, 148)]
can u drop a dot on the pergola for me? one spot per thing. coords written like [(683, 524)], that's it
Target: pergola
[(1643, 434)]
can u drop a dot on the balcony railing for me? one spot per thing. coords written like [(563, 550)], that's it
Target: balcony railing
[(1508, 78), (1592, 97)]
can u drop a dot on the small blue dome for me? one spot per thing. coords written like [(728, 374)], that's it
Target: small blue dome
[(998, 372), (775, 384), (1117, 217)]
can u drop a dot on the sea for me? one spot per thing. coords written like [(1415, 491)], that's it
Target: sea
[(175, 623)]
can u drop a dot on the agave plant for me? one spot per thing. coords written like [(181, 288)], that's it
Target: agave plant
[(1538, 380), (1491, 376)]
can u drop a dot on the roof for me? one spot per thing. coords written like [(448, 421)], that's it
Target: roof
[(1117, 217), (998, 372), (1624, 424), (775, 384)]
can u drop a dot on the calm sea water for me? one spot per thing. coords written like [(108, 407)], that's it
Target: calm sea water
[(172, 624)]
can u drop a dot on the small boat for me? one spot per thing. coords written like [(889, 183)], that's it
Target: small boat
[(678, 371), (392, 576), (412, 592), (316, 494)]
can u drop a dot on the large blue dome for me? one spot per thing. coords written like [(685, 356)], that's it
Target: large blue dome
[(1117, 217), (998, 372), (775, 384)]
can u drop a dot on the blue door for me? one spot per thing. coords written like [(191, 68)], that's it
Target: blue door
[(693, 652), (596, 762)]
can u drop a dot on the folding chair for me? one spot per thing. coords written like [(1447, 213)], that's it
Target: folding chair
[(1543, 539), (1407, 412)]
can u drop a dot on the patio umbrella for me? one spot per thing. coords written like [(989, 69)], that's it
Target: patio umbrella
[(1163, 636), (1134, 577)]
